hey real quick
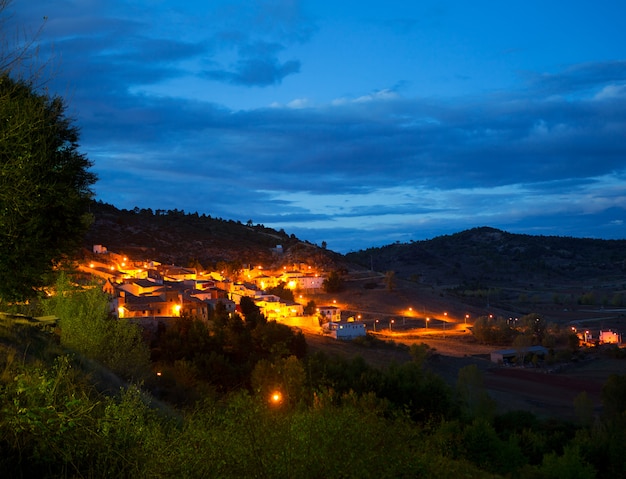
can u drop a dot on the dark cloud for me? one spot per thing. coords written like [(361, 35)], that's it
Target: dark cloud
[(256, 72), (578, 78), (263, 30)]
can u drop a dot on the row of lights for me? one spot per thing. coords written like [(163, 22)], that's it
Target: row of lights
[(427, 320)]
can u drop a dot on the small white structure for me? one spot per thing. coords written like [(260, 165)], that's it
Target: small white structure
[(345, 331), (99, 249)]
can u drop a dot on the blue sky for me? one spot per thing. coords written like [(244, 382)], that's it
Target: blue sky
[(358, 123)]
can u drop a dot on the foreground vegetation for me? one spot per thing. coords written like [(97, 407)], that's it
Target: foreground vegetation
[(84, 400)]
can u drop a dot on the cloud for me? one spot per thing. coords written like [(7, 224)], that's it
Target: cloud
[(490, 160), (247, 47), (612, 92), (375, 165), (256, 72), (578, 78)]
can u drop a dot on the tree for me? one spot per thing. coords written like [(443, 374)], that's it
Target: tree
[(251, 312), (390, 280), (44, 187), (282, 291), (87, 328), (310, 308), (333, 283), (470, 387), (614, 398)]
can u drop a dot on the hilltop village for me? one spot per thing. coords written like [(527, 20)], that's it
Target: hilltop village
[(150, 292)]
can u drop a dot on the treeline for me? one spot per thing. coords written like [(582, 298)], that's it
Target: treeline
[(195, 400)]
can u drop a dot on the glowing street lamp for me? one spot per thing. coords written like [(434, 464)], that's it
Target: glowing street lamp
[(390, 324), (375, 323), (276, 398), (426, 323)]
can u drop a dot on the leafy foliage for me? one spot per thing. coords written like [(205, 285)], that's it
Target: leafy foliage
[(282, 291), (493, 330), (44, 187), (87, 328), (223, 352), (333, 283)]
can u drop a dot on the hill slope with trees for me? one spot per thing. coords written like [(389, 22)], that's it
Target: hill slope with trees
[(485, 266), (490, 255), (176, 237)]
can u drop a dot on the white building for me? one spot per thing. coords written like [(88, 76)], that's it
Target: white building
[(344, 331), (302, 281), (330, 313)]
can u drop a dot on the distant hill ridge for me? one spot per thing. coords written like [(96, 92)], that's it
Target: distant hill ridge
[(490, 255)]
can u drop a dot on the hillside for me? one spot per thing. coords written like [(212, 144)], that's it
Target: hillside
[(176, 237), (487, 256), (486, 266)]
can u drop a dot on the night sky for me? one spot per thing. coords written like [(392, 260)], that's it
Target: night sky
[(358, 123)]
